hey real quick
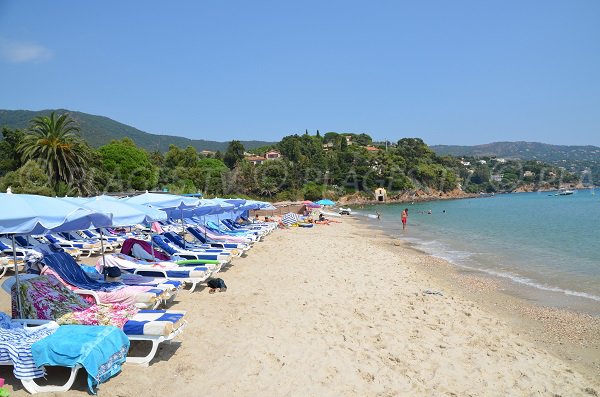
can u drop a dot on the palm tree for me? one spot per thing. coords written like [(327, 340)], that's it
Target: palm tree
[(55, 143)]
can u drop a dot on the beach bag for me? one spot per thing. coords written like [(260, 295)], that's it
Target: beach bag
[(112, 272), (216, 283)]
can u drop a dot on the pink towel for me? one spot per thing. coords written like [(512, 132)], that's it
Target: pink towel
[(156, 228)]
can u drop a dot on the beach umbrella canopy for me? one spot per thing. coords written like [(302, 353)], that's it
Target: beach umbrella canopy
[(257, 205), (219, 206), (236, 202), (123, 213), (205, 207), (312, 205), (290, 218), (32, 214), (325, 202), (163, 201)]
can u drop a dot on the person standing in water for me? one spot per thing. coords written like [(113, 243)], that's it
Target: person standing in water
[(404, 217)]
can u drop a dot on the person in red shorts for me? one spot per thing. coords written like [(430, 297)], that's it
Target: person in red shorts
[(404, 217)]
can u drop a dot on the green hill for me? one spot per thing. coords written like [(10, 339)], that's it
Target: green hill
[(100, 130), (580, 160), (524, 151)]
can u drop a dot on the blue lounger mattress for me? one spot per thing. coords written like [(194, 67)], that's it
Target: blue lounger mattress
[(154, 322)]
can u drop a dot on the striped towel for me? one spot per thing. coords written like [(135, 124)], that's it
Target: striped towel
[(15, 346)]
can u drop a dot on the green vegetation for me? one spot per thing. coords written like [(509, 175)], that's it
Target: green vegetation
[(488, 174), (580, 160), (51, 158), (55, 144)]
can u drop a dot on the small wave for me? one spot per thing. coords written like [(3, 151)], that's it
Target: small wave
[(531, 283), (459, 258)]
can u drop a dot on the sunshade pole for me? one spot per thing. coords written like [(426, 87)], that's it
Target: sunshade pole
[(18, 285), (204, 221), (102, 245), (152, 241), (182, 228)]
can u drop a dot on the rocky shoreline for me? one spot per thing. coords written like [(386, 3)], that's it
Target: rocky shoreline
[(408, 197)]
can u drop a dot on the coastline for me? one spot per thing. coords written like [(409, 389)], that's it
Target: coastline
[(570, 335), (343, 310)]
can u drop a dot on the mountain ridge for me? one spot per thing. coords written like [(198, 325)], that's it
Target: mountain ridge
[(100, 130)]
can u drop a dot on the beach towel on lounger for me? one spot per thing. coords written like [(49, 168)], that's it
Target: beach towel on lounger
[(100, 350), (15, 346), (172, 269), (141, 296), (128, 246), (45, 298)]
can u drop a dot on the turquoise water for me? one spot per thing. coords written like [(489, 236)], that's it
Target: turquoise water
[(546, 248)]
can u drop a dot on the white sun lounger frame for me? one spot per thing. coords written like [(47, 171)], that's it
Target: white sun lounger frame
[(29, 384)]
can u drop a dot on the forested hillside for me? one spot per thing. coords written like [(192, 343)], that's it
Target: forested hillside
[(100, 130)]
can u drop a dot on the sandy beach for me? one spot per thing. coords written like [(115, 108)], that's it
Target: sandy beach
[(342, 310)]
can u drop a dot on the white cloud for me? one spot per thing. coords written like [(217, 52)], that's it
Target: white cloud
[(21, 51)]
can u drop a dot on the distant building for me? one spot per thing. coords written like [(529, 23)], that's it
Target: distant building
[(256, 160), (207, 153), (348, 139), (528, 174), (380, 195), (272, 155), (372, 149), (466, 163), (482, 162), (497, 178), (500, 160), (327, 146)]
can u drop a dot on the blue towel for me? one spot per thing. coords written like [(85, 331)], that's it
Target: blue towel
[(163, 245), (66, 267), (99, 349)]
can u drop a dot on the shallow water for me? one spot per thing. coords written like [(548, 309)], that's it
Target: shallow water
[(546, 247)]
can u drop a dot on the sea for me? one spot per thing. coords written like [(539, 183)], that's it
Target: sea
[(542, 247)]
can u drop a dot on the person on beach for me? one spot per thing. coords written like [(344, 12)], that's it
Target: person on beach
[(322, 220), (404, 217)]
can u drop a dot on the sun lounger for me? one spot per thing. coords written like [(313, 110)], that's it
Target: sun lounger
[(200, 237), (180, 254), (7, 264), (65, 307), (81, 238), (238, 233), (114, 241), (30, 345), (179, 242), (193, 275), (85, 248), (75, 278), (7, 249), (220, 237), (32, 243)]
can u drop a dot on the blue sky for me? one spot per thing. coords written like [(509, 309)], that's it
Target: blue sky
[(450, 72)]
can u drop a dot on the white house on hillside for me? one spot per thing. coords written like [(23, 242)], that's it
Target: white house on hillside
[(272, 155)]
